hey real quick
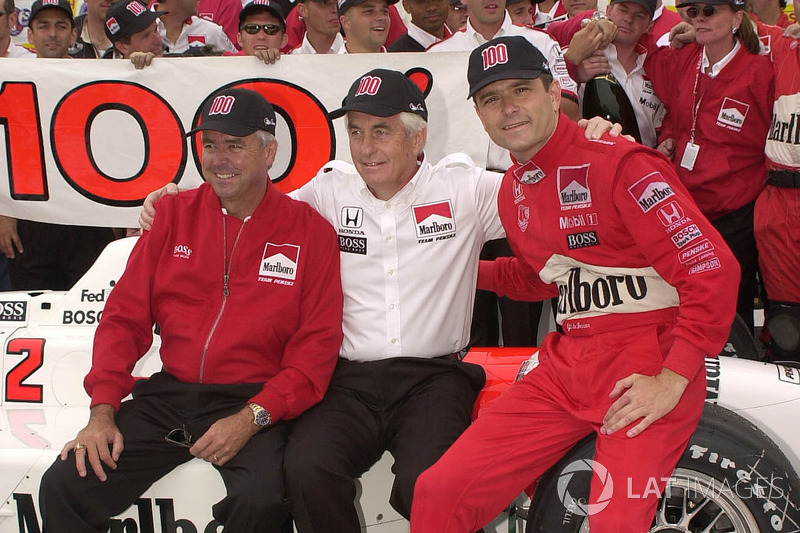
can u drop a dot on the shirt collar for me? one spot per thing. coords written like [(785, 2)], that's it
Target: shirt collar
[(719, 65), (422, 37), (404, 194), (502, 31)]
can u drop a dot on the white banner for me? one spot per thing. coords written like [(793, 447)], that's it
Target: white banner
[(83, 141)]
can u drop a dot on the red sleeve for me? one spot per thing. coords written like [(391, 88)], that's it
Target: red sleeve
[(295, 29), (397, 28), (688, 253), (125, 331), (563, 30), (508, 276), (310, 354)]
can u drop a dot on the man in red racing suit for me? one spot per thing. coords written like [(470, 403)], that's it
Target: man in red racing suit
[(777, 210), (646, 290)]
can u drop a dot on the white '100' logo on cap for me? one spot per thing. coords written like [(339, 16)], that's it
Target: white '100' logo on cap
[(368, 85), (221, 105), (494, 55), (136, 8)]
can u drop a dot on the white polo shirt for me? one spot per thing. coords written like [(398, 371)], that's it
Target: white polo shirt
[(409, 265), (305, 47), (197, 32)]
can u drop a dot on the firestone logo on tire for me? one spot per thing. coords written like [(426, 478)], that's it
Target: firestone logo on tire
[(579, 506)]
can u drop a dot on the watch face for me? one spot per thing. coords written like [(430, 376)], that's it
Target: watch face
[(261, 416)]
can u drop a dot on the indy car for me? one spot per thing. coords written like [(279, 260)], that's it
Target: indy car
[(738, 474)]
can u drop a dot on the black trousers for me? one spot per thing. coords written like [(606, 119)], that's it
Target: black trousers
[(414, 408), (520, 320), (56, 256), (255, 500), (737, 229)]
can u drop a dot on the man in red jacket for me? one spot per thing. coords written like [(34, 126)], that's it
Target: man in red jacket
[(643, 282), (244, 284)]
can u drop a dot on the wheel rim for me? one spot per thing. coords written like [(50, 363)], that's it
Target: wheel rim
[(694, 502)]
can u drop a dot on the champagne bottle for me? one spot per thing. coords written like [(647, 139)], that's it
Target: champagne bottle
[(604, 97)]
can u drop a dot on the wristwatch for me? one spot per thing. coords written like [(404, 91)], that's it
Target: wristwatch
[(261, 416)]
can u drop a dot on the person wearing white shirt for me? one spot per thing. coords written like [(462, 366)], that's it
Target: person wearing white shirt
[(322, 28), (410, 233), (8, 20), (181, 28), (624, 58), (427, 25), (365, 24), (489, 20)]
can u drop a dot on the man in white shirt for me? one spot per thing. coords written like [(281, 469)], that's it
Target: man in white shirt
[(8, 20), (427, 25), (409, 235), (181, 28), (365, 24), (489, 20), (624, 58), (323, 30)]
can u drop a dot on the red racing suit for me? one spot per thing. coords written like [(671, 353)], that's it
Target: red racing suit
[(777, 212), (644, 282), (277, 319)]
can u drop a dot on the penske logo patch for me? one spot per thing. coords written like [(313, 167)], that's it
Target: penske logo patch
[(279, 263), (434, 221)]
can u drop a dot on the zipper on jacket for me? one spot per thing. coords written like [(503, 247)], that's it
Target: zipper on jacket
[(226, 271)]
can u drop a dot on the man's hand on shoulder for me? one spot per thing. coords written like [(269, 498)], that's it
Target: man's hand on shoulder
[(225, 437), (643, 397), (92, 442), (148, 213)]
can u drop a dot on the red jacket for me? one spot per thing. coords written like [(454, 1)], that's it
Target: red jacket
[(280, 323), (732, 123), (607, 227)]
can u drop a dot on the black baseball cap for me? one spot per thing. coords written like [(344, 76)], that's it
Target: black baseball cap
[(255, 6), (649, 5), (383, 93), (344, 5), (237, 112), (63, 5), (734, 3), (128, 17), (504, 58)]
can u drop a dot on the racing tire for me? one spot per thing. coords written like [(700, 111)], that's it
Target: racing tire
[(732, 478), (741, 343)]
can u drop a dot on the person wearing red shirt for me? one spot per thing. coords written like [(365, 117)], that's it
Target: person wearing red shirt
[(244, 284), (643, 282), (718, 94)]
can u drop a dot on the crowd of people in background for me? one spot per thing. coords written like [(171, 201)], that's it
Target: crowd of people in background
[(710, 106)]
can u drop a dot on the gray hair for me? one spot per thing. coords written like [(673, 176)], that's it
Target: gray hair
[(412, 122), (265, 137)]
